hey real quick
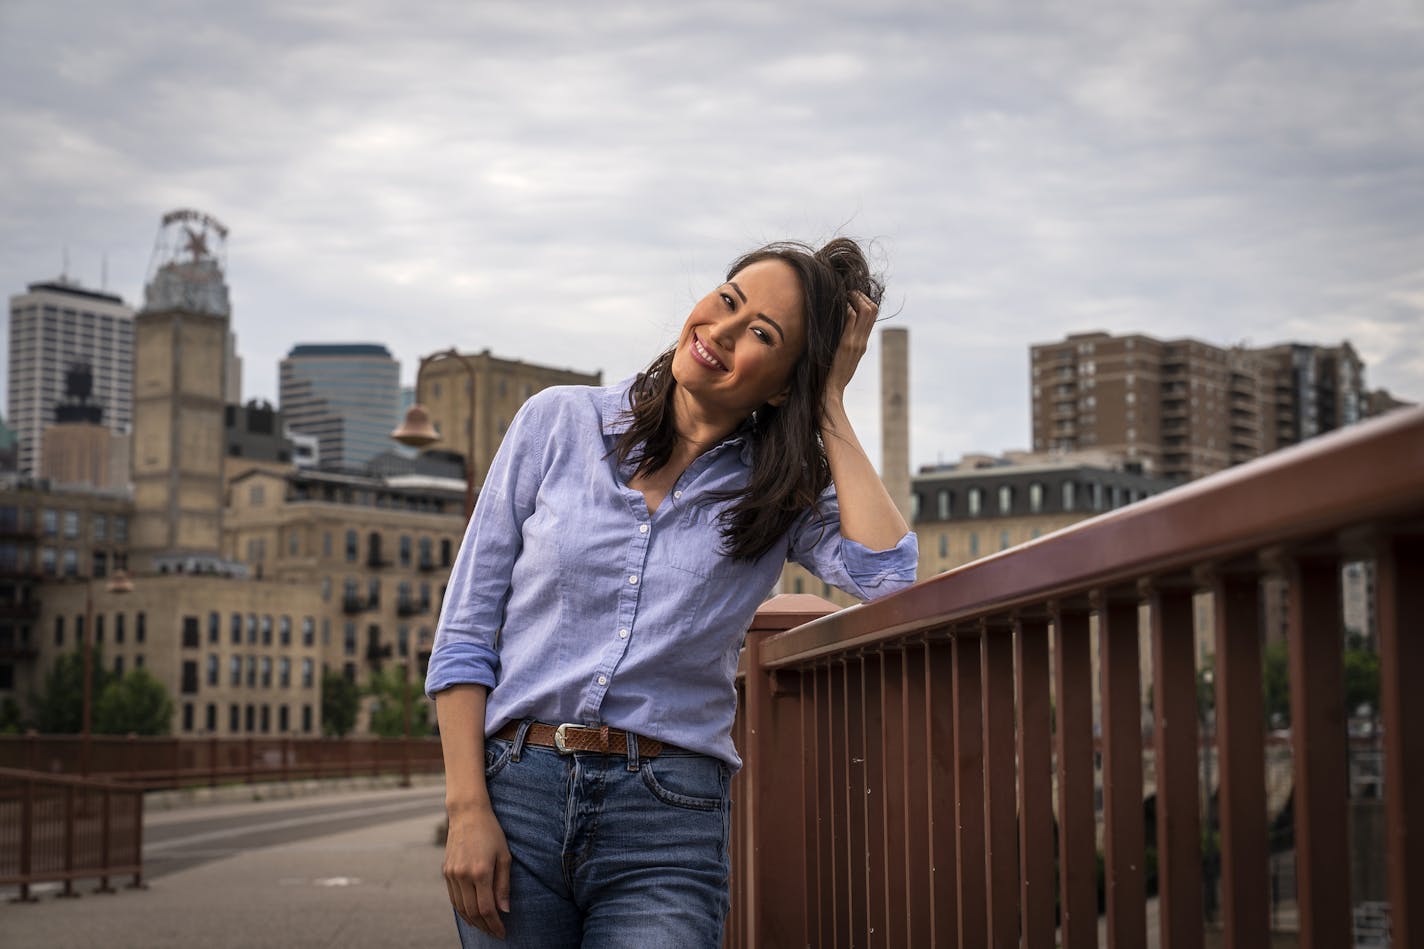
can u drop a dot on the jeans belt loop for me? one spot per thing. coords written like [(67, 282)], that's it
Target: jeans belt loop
[(519, 738), (633, 762)]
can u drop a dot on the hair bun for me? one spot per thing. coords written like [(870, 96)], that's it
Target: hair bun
[(847, 261)]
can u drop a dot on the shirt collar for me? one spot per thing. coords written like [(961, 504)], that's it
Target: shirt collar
[(613, 414)]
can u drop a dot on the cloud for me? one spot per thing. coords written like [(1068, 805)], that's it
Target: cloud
[(558, 183)]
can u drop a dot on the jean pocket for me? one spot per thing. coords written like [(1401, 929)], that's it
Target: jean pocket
[(498, 751), (695, 782)]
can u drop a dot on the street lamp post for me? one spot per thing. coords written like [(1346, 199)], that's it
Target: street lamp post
[(417, 432), (118, 583)]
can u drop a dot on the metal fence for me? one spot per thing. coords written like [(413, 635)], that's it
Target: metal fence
[(55, 828), (153, 763), (941, 767)]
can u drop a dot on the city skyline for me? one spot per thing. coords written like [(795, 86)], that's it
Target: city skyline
[(560, 189)]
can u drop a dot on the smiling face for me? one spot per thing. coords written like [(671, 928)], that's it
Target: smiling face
[(741, 342)]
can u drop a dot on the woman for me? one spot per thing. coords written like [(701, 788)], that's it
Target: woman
[(624, 537)]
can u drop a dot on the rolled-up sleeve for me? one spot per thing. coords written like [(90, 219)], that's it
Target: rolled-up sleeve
[(818, 545), (465, 649)]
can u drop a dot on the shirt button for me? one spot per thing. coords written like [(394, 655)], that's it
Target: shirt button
[(603, 680), (677, 494), (622, 634), (642, 528), (633, 578)]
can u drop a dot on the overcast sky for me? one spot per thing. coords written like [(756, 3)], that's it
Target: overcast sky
[(558, 182)]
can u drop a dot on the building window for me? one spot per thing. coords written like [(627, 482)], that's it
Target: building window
[(251, 717), (294, 542), (190, 632), (255, 495), (187, 716), (444, 551), (71, 563), (212, 668), (214, 628), (235, 664), (266, 629), (976, 501), (266, 672), (403, 640), (307, 673), (71, 524), (944, 545), (252, 629), (945, 502), (284, 672), (121, 529), (266, 719), (973, 544), (1035, 498), (373, 591), (326, 589), (1006, 499), (1070, 491), (349, 641), (99, 629), (234, 717), (281, 718), (306, 719), (118, 665), (49, 560), (405, 550), (49, 521), (211, 718), (235, 625), (351, 547), (138, 661), (252, 672), (118, 627), (425, 556), (190, 677), (1003, 540), (284, 631), (100, 564), (308, 631), (1096, 490)]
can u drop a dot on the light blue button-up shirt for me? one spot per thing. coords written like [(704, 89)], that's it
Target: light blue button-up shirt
[(574, 604)]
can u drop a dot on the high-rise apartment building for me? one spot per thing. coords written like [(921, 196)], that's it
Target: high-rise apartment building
[(1184, 408), (345, 394), (55, 325)]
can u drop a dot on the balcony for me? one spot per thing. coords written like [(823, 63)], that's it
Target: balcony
[(411, 606), (922, 770), (354, 603)]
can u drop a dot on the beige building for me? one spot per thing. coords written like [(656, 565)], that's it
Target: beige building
[(476, 395), (1183, 408), (85, 454)]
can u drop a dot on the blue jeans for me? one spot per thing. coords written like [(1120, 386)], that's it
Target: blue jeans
[(609, 851)]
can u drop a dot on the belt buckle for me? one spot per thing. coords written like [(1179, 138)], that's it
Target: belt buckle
[(560, 735)]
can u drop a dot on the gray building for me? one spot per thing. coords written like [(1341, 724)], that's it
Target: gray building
[(347, 395), (53, 326)]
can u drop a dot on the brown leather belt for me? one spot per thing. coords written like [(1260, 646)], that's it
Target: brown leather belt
[(571, 738)]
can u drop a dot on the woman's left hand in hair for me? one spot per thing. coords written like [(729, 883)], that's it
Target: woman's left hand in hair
[(860, 320)]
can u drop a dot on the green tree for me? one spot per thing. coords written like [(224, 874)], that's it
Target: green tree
[(1362, 667), (339, 702), (390, 690), (12, 722), (57, 709), (1275, 684), (133, 703)]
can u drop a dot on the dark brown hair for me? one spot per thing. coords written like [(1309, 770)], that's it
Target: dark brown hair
[(789, 467)]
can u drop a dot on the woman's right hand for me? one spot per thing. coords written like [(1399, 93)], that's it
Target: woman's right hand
[(477, 867)]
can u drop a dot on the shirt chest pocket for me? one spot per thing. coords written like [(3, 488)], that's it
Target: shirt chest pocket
[(694, 545)]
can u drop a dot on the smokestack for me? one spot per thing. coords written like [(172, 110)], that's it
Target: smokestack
[(895, 416)]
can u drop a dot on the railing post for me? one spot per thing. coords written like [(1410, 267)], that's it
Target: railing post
[(996, 656), (69, 829), (1317, 690), (1077, 830), (1034, 739), (1174, 714), (1123, 843), (1240, 743), (773, 775), (27, 836), (105, 828), (1399, 585), (969, 786)]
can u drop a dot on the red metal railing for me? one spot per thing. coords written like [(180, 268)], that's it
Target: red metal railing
[(153, 763), (919, 770), (55, 828)]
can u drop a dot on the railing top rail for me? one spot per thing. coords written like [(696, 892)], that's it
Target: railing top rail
[(48, 777), (1369, 472)]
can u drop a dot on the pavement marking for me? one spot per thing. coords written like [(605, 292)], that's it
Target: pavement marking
[(177, 842)]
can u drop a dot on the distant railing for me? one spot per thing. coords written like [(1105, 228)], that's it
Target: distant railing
[(153, 763), (921, 771), (55, 828)]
